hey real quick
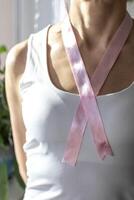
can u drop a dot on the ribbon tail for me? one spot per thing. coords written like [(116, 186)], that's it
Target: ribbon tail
[(97, 127), (75, 137)]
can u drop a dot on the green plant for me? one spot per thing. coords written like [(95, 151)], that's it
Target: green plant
[(6, 140), (3, 182), (5, 128), (4, 131)]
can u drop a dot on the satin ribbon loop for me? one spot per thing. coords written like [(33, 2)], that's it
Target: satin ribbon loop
[(88, 110)]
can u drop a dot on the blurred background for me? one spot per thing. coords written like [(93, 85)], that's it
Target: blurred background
[(18, 19)]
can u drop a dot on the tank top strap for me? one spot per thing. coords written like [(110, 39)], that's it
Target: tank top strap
[(34, 59), (26, 78), (43, 52), (39, 54)]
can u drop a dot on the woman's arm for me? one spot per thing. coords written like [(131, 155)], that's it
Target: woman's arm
[(15, 64)]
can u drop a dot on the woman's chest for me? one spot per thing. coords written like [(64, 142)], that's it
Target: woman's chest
[(48, 116), (119, 77)]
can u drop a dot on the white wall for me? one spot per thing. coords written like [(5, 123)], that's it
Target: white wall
[(27, 12), (26, 18), (7, 32)]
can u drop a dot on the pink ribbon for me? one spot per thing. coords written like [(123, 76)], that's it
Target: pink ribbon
[(88, 110)]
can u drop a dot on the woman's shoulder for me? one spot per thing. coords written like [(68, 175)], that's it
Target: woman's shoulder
[(16, 59), (17, 55), (54, 33)]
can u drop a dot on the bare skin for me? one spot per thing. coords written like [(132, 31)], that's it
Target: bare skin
[(92, 43), (15, 65)]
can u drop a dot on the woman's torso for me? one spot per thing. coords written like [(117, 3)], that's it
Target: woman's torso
[(48, 112)]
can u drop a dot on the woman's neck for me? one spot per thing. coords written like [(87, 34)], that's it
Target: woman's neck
[(95, 21)]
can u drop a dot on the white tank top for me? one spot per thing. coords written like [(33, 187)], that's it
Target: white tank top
[(48, 112)]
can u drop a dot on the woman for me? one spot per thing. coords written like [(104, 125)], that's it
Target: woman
[(43, 97)]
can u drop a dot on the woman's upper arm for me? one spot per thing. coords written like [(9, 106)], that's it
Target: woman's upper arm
[(15, 64)]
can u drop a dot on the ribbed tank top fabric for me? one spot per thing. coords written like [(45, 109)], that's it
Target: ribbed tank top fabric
[(48, 112)]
